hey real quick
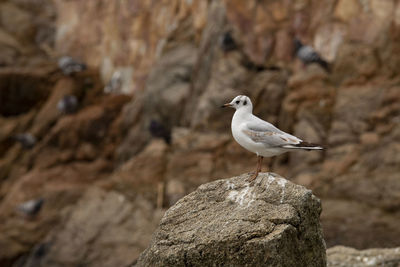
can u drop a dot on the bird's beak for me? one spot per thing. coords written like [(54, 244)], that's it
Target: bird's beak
[(226, 105)]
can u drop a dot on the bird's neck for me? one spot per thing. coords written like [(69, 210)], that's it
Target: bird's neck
[(242, 113), (297, 46)]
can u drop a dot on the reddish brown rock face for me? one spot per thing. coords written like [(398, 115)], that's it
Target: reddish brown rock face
[(170, 60)]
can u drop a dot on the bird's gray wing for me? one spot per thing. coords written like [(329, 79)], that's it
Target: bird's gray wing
[(308, 54), (267, 134)]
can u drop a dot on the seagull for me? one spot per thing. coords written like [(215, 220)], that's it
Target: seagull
[(158, 130), (259, 136), (68, 104), (226, 42), (69, 65), (308, 55), (26, 140), (31, 207)]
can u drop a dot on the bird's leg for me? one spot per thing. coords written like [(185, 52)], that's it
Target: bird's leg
[(259, 161)]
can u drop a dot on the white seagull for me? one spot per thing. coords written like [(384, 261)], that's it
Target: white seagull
[(259, 136)]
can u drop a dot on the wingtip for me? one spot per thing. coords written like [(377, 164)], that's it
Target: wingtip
[(316, 147), (310, 148), (306, 146)]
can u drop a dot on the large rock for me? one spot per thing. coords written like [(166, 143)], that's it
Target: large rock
[(345, 256), (233, 223)]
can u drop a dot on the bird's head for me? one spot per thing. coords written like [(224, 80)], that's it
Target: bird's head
[(240, 102), (297, 44)]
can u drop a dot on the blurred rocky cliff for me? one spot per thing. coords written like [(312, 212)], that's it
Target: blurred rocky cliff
[(148, 128)]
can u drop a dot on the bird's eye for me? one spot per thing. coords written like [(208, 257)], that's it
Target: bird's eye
[(237, 102), (245, 103)]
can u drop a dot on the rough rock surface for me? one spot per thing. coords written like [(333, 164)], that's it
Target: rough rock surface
[(345, 256), (233, 223)]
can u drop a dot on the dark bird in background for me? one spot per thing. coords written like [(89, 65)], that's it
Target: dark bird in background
[(251, 66), (69, 66), (308, 55), (158, 130), (31, 208), (26, 140), (68, 104), (37, 253), (226, 42)]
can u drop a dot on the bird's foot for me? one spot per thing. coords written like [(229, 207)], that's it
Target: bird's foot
[(253, 176)]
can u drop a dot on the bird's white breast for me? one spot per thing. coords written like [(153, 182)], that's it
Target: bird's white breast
[(238, 124)]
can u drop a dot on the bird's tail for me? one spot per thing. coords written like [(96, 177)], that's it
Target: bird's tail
[(305, 146), (325, 65)]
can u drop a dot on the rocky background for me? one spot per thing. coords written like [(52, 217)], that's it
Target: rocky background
[(107, 172)]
